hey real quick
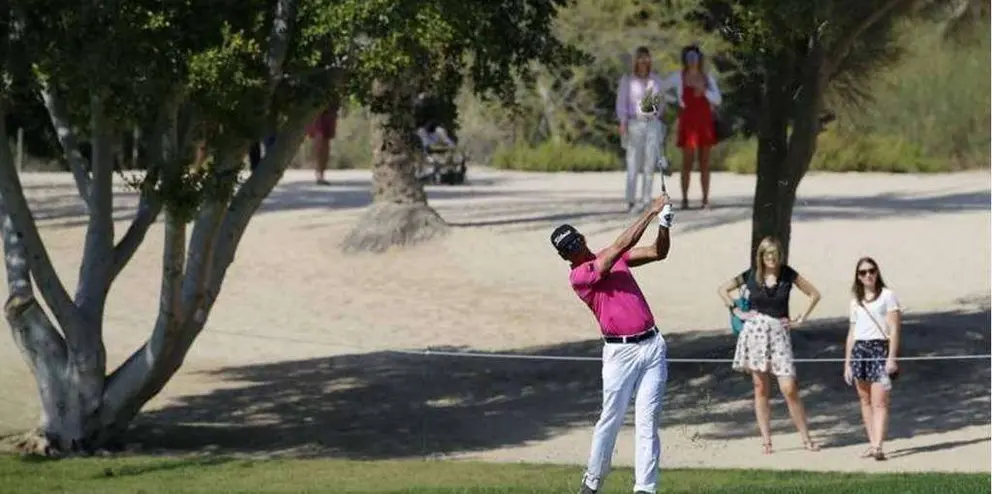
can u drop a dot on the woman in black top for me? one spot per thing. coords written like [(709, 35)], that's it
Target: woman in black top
[(763, 346)]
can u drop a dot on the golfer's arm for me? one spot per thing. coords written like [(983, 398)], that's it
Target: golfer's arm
[(654, 252), (623, 243)]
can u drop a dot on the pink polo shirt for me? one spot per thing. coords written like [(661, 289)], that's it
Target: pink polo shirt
[(615, 299)]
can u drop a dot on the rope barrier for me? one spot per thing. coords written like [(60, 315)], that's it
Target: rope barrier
[(522, 356), (427, 352)]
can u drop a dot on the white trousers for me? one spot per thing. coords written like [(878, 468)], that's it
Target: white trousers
[(644, 139), (639, 371)]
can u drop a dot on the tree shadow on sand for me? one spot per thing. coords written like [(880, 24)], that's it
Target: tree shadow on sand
[(389, 405)]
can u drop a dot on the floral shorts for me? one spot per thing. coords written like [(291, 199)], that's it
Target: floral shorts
[(764, 346), (868, 359)]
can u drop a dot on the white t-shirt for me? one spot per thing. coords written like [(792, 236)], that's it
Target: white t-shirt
[(864, 327)]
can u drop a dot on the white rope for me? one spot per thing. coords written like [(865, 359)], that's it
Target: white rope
[(427, 352), (519, 356)]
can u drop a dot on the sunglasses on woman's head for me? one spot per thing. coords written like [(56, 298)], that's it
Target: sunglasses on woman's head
[(865, 272)]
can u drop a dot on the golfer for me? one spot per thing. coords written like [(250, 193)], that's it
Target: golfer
[(634, 353)]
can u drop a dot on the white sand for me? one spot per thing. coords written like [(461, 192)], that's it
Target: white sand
[(495, 284)]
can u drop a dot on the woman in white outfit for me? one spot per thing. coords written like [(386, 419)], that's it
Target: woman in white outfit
[(870, 352), (642, 132)]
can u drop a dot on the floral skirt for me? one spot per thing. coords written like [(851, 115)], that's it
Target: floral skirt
[(764, 346), (868, 359)]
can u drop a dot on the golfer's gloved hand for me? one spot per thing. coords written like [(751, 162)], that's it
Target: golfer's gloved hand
[(666, 216)]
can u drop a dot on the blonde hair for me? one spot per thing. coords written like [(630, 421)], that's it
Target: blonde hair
[(766, 244)]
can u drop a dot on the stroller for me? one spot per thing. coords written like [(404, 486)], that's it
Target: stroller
[(441, 161)]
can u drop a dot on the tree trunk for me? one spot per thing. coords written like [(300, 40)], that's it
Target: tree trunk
[(784, 156), (399, 214)]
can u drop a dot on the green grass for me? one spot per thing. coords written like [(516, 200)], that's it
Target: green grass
[(220, 475)]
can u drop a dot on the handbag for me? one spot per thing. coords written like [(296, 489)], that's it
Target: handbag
[(722, 128), (742, 303), (894, 375)]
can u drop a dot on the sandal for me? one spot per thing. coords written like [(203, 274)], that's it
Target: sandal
[(869, 453), (766, 448), (811, 446), (879, 455)]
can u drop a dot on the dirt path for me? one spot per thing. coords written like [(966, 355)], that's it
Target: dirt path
[(315, 377)]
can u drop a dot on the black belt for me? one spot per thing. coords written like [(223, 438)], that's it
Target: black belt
[(634, 338)]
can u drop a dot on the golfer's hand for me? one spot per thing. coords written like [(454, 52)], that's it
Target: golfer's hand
[(848, 376), (659, 203)]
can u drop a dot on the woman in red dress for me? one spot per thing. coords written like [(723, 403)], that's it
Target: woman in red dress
[(321, 131), (698, 94)]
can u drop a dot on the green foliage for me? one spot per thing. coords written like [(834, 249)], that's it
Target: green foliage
[(841, 151), (937, 98), (912, 124), (431, 45), (555, 156), (941, 115)]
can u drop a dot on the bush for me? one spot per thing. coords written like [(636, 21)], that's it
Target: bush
[(937, 97), (840, 151), (554, 156)]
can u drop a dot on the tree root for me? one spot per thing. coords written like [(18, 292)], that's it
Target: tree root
[(37, 443), (386, 225)]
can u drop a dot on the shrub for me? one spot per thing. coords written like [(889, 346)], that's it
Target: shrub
[(554, 156), (937, 97), (839, 151)]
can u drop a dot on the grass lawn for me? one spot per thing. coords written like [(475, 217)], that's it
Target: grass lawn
[(147, 475)]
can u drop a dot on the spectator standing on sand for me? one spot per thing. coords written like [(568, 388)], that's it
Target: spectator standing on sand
[(871, 349), (641, 132), (764, 346), (321, 131), (698, 94)]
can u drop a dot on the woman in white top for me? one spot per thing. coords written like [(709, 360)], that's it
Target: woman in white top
[(642, 131), (871, 349)]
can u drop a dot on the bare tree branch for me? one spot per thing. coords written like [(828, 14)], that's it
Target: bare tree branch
[(204, 239), (19, 283), (40, 344), (43, 349), (16, 207), (243, 207), (173, 265), (201, 253), (279, 38), (850, 38), (125, 389), (149, 208), (67, 139), (163, 150), (95, 270)]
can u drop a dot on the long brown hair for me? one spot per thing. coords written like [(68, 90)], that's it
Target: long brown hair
[(857, 288)]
